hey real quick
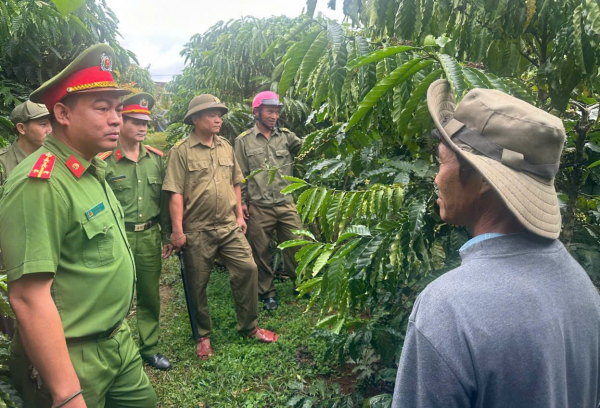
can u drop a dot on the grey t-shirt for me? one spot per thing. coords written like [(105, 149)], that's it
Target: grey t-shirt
[(517, 325)]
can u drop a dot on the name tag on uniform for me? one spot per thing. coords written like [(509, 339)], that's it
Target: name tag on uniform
[(117, 178), (95, 210)]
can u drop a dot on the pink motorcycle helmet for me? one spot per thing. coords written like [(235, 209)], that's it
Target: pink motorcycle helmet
[(266, 98)]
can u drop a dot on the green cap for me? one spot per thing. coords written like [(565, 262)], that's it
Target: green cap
[(201, 103), (28, 111), (91, 71), (138, 106)]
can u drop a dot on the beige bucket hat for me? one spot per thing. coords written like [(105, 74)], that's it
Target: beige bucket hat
[(514, 145), (201, 103)]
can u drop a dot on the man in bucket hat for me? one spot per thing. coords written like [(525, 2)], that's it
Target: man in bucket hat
[(518, 323), (204, 178), (70, 270)]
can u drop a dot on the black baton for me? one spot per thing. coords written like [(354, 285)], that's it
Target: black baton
[(188, 298)]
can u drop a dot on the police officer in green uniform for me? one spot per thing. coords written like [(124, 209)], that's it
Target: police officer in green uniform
[(70, 270), (206, 213), (265, 208), (135, 173), (32, 123)]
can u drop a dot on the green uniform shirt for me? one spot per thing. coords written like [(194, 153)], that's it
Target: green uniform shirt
[(252, 150), (72, 227), (205, 176), (138, 187), (10, 156)]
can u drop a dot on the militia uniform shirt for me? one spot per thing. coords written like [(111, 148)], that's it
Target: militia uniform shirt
[(138, 186), (58, 215), (10, 156), (205, 176), (252, 150)]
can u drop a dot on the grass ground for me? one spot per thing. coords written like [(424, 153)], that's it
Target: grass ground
[(242, 373)]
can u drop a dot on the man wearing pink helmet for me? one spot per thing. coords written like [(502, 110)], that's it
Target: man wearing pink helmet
[(265, 208)]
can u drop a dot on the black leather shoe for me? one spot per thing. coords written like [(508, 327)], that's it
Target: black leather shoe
[(159, 362), (270, 303)]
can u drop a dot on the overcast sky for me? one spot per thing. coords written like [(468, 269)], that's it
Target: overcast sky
[(156, 30)]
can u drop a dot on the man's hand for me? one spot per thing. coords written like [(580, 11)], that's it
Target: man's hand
[(167, 251), (178, 241), (242, 224), (245, 211)]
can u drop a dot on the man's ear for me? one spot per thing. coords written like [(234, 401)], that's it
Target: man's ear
[(21, 128), (62, 113), (486, 187)]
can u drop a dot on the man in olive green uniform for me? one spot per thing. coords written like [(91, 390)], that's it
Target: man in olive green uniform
[(266, 209), (206, 213), (71, 272), (135, 173), (32, 123)]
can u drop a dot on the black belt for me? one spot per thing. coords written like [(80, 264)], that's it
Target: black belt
[(130, 226), (108, 334)]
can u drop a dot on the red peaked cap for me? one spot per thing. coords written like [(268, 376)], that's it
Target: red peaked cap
[(91, 71)]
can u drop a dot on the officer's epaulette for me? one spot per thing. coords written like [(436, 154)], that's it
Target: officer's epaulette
[(105, 155), (286, 130), (180, 141), (43, 166), (154, 150), (244, 133)]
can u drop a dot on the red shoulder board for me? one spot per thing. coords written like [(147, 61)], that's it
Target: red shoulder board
[(154, 150), (104, 155), (43, 166)]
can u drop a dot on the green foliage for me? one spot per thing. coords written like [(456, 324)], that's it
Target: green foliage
[(367, 191), (37, 42), (235, 60)]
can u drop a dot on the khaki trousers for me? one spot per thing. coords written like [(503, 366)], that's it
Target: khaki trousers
[(199, 256), (263, 221), (110, 372)]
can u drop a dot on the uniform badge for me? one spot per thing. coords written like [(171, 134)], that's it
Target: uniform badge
[(144, 103), (217, 100), (117, 178), (106, 63), (92, 212), (118, 154), (43, 166)]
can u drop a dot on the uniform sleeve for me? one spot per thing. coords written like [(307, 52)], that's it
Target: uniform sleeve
[(165, 216), (174, 181), (238, 177), (242, 164), (34, 217), (294, 143)]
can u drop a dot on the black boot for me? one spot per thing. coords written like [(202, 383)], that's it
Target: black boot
[(270, 303), (159, 362)]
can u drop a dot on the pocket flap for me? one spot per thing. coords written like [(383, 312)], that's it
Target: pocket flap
[(119, 184), (254, 152), (198, 165), (225, 161), (282, 153), (154, 180), (100, 224)]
